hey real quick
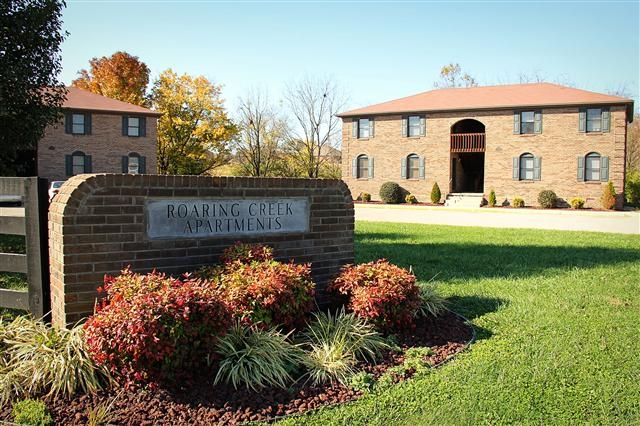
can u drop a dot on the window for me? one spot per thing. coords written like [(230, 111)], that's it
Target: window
[(413, 126), (527, 167), (527, 122), (362, 128), (412, 167), (134, 126), (362, 167), (77, 123), (77, 163), (594, 120), (133, 163), (592, 167)]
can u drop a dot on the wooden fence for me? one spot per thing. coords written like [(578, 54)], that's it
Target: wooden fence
[(29, 220)]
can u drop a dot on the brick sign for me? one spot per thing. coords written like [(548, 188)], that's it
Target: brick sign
[(194, 218)]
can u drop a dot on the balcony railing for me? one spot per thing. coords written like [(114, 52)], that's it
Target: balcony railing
[(467, 142)]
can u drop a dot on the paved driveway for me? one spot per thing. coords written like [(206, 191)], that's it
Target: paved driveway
[(571, 220)]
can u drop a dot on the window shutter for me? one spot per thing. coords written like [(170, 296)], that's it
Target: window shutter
[(354, 128), (143, 127), (582, 121), (606, 120), (125, 164), (403, 167), (125, 125), (516, 168), (68, 123), (142, 165), (580, 169), (68, 165), (516, 123), (354, 167), (370, 167), (87, 164), (421, 167), (604, 169), (371, 126), (87, 123), (537, 168), (405, 125), (423, 126), (537, 122)]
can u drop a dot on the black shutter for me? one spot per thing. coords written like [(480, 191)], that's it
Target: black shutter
[(143, 126), (580, 169), (125, 125), (68, 165), (537, 122), (606, 120), (516, 123), (142, 165), (604, 169), (68, 123), (125, 164), (87, 123), (87, 164), (582, 120)]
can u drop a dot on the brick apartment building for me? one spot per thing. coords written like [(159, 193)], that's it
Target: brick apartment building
[(514, 139), (98, 135)]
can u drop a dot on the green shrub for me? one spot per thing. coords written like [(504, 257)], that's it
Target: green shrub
[(436, 194), (362, 381), (156, 334), (365, 197), (517, 202), (384, 293), (492, 198), (36, 358), (547, 199), (608, 198), (333, 344), (246, 253), (391, 193), (431, 303), (410, 199), (577, 203), (31, 412), (632, 188), (256, 358)]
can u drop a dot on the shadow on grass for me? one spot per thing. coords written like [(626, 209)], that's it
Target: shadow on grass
[(472, 307), (454, 261)]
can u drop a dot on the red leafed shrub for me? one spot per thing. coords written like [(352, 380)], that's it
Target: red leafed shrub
[(268, 293), (246, 253), (384, 293), (150, 327)]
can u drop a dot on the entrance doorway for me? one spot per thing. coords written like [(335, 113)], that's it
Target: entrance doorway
[(467, 156)]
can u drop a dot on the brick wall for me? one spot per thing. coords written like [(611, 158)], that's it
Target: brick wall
[(97, 226), (558, 145), (105, 144)]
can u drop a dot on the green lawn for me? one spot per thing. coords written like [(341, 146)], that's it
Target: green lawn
[(558, 322), (12, 280)]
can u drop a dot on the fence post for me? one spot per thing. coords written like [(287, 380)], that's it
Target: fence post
[(36, 207)]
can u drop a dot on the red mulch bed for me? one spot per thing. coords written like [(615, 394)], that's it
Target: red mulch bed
[(201, 403)]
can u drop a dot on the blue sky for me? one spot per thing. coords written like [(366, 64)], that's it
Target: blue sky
[(376, 51)]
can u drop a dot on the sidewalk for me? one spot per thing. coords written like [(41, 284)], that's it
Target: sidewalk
[(627, 222)]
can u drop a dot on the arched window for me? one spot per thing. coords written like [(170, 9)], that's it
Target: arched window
[(592, 167), (412, 167), (133, 163), (77, 163), (526, 166), (362, 167)]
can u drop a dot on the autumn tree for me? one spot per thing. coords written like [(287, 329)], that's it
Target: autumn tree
[(30, 93), (633, 144), (120, 76), (194, 131), (451, 75), (314, 104), (261, 135)]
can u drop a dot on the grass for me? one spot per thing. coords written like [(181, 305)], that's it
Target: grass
[(12, 280), (557, 317)]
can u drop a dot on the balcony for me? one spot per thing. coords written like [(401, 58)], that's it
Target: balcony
[(467, 142)]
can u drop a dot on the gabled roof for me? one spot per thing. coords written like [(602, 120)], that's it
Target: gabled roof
[(85, 100), (493, 97)]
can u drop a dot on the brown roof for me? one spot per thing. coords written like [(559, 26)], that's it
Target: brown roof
[(85, 100), (493, 97)]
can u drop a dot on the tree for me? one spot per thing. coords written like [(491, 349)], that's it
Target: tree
[(119, 76), (451, 76), (261, 135), (194, 131), (30, 93), (314, 104), (633, 144)]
